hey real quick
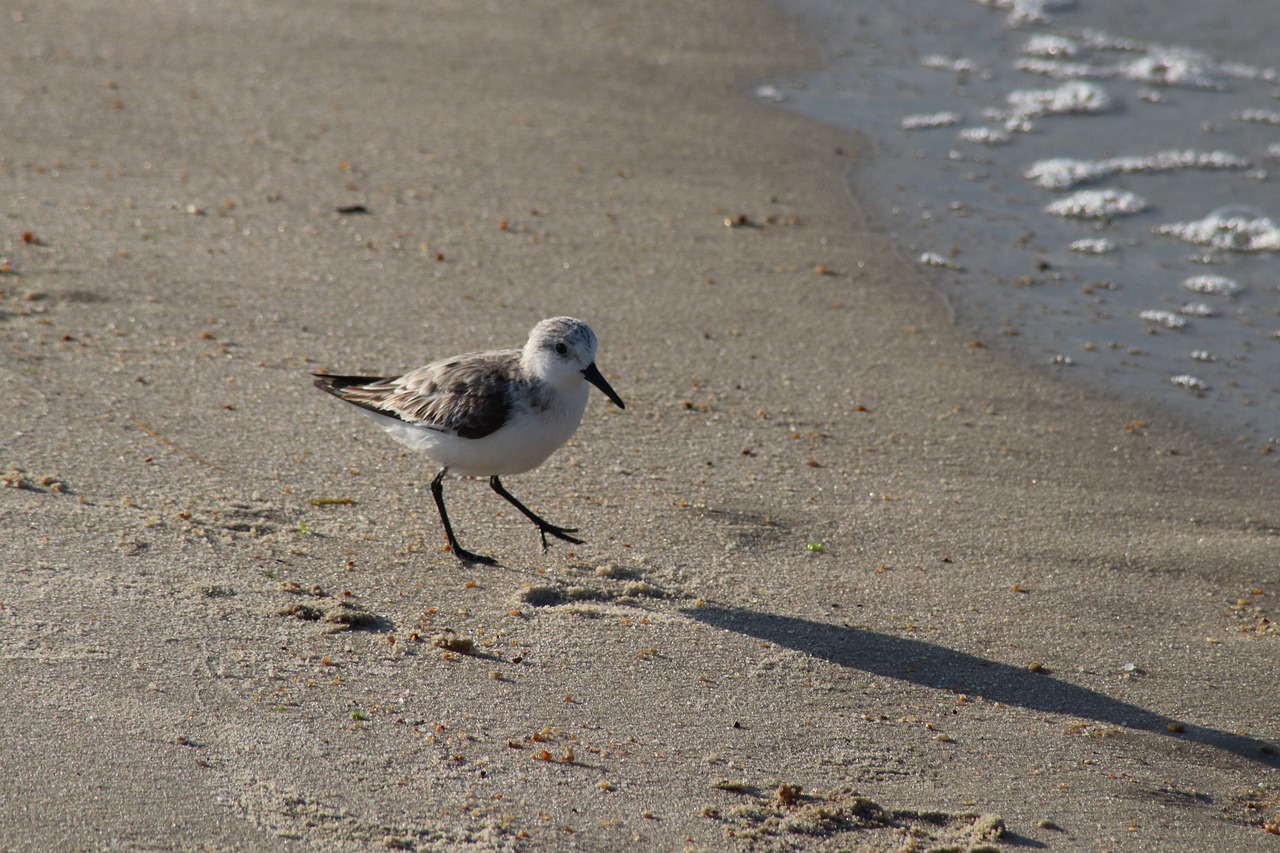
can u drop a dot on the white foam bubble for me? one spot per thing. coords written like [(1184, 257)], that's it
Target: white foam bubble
[(1244, 71), (1063, 172), (1164, 318), (1027, 11), (1097, 204), (1171, 67), (1050, 46), (947, 63), (1258, 116), (985, 135), (1074, 97), (1217, 285), (1189, 382), (934, 259), (769, 92), (1061, 69), (1229, 229), (1071, 98), (1197, 309), (1093, 246), (925, 121), (1060, 173), (1062, 58)]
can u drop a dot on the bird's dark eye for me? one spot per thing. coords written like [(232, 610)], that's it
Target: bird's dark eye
[(562, 349)]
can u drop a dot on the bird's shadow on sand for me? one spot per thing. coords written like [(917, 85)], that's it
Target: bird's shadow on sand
[(941, 668)]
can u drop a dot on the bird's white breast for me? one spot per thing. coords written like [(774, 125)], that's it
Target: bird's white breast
[(530, 435)]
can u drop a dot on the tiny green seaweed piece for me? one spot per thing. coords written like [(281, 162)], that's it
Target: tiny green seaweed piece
[(359, 715), (333, 501), (815, 547)]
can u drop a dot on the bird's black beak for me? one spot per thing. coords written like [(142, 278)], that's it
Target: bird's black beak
[(592, 375)]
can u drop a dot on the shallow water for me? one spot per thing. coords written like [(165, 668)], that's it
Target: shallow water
[(1096, 185)]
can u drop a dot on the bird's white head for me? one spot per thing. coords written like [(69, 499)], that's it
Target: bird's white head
[(561, 351)]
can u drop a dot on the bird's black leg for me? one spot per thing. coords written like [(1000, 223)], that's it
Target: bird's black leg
[(437, 492), (544, 526)]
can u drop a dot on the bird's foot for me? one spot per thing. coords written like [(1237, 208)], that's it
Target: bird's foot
[(468, 558), (559, 533)]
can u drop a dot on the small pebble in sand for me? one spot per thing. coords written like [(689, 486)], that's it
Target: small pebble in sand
[(451, 642), (788, 793)]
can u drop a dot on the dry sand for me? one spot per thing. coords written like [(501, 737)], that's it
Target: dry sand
[(1037, 619)]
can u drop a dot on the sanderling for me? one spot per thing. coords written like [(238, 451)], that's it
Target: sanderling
[(487, 413)]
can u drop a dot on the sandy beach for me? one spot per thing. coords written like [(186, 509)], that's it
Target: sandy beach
[(853, 579)]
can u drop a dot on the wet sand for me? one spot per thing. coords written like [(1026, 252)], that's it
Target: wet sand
[(852, 578)]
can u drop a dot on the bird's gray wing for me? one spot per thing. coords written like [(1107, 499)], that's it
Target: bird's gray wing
[(468, 395)]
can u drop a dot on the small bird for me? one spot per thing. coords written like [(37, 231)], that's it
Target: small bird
[(487, 413)]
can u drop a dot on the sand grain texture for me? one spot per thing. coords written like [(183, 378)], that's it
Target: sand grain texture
[(894, 588)]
